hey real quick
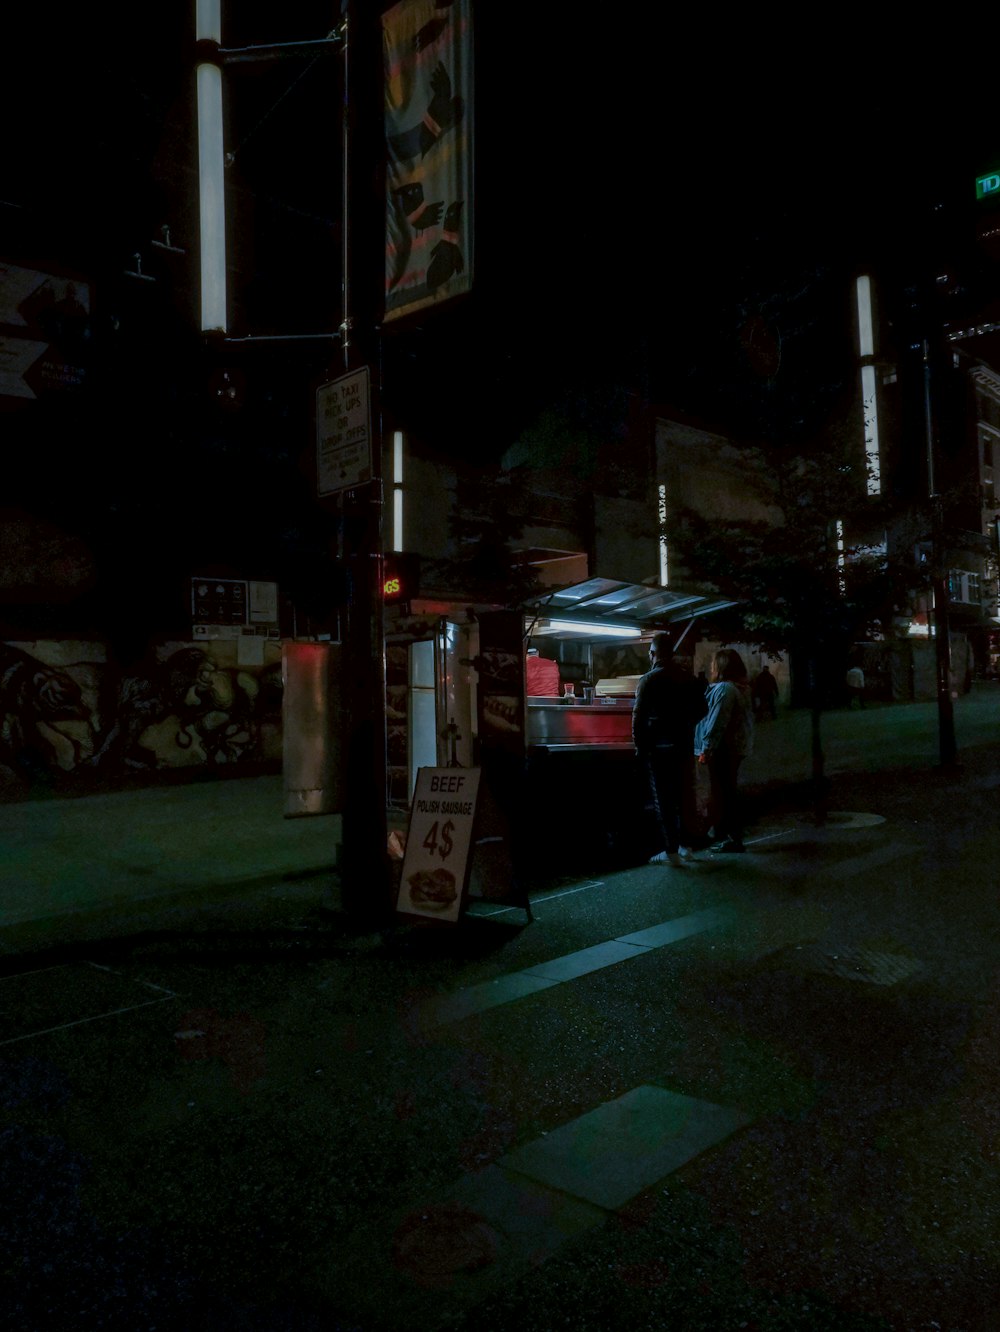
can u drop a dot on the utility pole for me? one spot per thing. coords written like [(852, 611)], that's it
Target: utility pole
[(364, 866)]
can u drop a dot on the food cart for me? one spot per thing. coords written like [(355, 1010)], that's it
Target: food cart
[(541, 698)]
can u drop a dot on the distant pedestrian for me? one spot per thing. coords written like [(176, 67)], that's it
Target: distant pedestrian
[(668, 704), (855, 687), (764, 694), (722, 741)]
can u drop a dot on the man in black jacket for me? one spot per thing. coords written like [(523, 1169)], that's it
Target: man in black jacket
[(668, 703)]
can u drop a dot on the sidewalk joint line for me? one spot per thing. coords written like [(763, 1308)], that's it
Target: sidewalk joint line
[(771, 837), (36, 971), (132, 979), (546, 897), (46, 1031)]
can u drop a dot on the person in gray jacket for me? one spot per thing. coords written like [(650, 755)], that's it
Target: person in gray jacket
[(723, 739)]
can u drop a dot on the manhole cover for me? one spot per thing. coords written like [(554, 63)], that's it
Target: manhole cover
[(867, 965)]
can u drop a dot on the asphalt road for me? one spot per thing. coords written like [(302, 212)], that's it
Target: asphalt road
[(758, 1092)]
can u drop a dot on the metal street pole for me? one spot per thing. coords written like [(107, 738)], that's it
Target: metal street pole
[(939, 587), (365, 877)]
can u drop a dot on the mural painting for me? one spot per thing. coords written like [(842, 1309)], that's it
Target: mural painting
[(69, 717)]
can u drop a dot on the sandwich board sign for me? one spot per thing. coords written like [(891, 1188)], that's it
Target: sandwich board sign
[(436, 862)]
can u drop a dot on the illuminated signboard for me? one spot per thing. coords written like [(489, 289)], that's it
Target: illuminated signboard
[(401, 577), (988, 186)]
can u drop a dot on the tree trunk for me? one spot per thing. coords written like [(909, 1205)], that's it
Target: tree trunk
[(819, 783)]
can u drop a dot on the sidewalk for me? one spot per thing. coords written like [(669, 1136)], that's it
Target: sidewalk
[(878, 737), (118, 856), (758, 1092), (124, 852)]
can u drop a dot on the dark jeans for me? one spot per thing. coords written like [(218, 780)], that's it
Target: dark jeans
[(670, 772), (723, 768)]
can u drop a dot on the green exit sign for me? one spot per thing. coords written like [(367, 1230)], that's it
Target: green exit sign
[(988, 186)]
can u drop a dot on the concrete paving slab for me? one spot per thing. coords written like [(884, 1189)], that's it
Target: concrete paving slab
[(610, 1154)]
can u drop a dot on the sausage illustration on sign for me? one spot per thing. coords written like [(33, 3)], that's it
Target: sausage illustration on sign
[(433, 890)]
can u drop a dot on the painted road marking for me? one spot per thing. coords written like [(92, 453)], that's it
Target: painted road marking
[(490, 994), (610, 1154), (571, 966), (657, 936)]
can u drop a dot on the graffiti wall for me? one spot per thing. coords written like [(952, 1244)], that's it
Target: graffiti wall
[(69, 716)]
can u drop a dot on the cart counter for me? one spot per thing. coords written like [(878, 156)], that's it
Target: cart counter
[(564, 724)]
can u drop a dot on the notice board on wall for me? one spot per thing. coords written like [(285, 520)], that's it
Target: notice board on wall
[(232, 607)]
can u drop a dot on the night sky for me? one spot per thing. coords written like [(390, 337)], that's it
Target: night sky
[(649, 188), (637, 173)]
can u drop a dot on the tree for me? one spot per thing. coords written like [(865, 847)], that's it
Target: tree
[(799, 584)]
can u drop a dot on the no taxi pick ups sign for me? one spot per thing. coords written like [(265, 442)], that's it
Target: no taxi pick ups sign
[(436, 865), (343, 433)]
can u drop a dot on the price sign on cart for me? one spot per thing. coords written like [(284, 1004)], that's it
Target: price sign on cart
[(435, 872)]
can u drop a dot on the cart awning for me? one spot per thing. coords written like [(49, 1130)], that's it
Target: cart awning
[(605, 604)]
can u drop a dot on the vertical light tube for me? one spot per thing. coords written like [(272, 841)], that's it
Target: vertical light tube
[(866, 331), (869, 408), (841, 558), (869, 397), (208, 21), (664, 553), (397, 490), (212, 198)]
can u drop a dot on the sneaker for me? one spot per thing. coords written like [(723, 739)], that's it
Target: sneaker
[(666, 858), (730, 845)]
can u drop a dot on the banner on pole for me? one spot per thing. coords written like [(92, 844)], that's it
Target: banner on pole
[(427, 52)]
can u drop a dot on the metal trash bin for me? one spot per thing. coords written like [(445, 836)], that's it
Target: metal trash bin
[(312, 763)]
